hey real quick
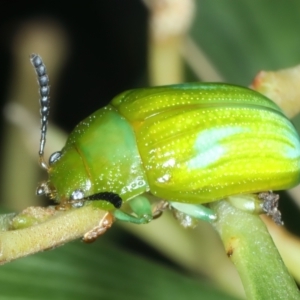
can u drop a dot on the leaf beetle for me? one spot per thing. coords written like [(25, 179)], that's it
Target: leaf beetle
[(188, 144)]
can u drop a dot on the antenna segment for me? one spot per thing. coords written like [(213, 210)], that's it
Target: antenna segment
[(44, 89)]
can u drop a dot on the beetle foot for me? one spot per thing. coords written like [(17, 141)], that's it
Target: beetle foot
[(76, 203), (159, 208), (98, 230), (188, 215), (270, 206), (184, 219)]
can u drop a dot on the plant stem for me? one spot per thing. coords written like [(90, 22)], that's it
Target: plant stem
[(250, 247), (60, 228)]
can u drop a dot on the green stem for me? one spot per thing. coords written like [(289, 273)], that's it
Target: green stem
[(53, 231), (250, 247)]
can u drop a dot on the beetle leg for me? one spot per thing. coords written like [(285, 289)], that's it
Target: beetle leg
[(196, 211), (247, 202), (159, 208), (266, 202), (141, 207), (270, 206), (104, 224)]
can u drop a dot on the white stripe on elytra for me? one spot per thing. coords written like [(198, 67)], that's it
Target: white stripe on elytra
[(209, 147)]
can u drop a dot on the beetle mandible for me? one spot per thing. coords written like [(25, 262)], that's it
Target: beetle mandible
[(188, 144)]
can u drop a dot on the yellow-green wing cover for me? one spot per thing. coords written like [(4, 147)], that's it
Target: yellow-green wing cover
[(200, 142)]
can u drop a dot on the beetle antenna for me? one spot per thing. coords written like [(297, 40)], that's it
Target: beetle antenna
[(44, 89), (113, 198)]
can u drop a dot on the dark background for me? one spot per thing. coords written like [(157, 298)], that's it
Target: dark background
[(107, 50)]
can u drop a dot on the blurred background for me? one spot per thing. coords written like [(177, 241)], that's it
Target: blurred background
[(93, 51)]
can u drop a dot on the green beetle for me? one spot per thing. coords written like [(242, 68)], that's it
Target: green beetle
[(188, 144)]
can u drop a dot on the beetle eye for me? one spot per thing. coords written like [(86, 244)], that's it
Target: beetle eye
[(75, 198), (77, 195), (54, 157), (41, 190)]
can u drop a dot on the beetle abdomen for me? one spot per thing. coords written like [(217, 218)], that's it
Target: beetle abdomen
[(202, 142)]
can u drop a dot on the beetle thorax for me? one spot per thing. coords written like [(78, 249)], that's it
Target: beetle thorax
[(100, 156)]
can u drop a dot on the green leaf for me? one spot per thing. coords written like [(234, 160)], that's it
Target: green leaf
[(243, 37), (97, 271)]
